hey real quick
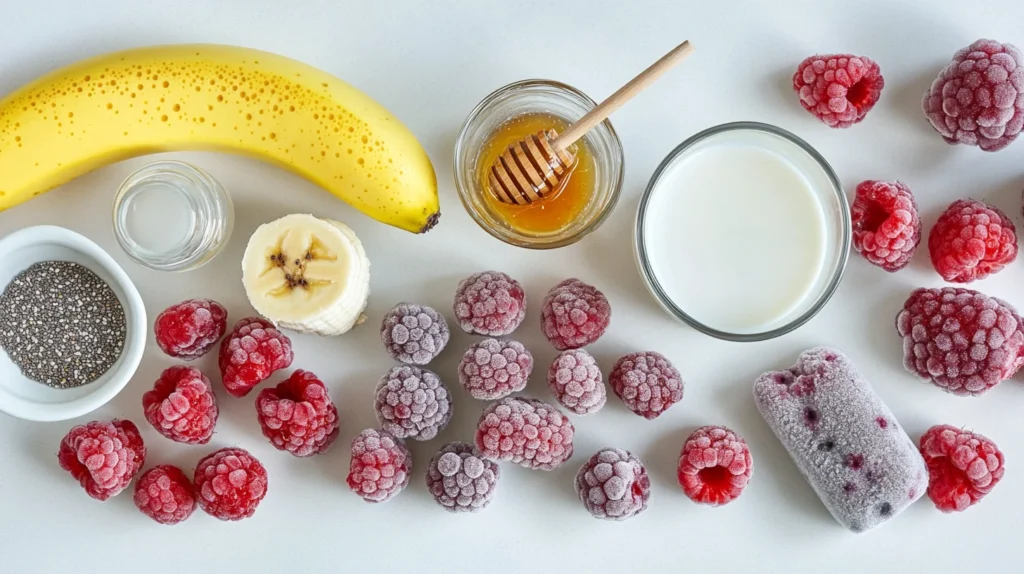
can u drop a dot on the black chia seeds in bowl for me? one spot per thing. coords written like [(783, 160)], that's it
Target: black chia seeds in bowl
[(61, 324)]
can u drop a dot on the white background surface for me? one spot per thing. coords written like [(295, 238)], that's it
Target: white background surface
[(430, 63)]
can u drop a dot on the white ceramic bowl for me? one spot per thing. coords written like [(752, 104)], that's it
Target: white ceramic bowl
[(27, 399)]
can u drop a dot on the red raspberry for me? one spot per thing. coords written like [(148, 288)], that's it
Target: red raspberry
[(380, 466), (978, 99), (971, 240), (714, 466), (230, 483), (297, 415), (165, 494), (460, 479), (886, 227), (576, 382), (182, 406), (411, 402), (574, 314), (189, 329), (961, 340), (962, 467), (103, 456), (492, 369), (525, 431), (490, 303), (647, 383), (613, 485), (251, 353), (839, 89)]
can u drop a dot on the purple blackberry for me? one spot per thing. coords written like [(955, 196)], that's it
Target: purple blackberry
[(526, 432), (414, 334), (576, 382), (647, 383), (460, 479), (490, 303), (380, 466), (613, 485), (492, 369), (411, 402)]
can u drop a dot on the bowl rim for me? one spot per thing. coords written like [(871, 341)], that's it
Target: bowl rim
[(135, 323)]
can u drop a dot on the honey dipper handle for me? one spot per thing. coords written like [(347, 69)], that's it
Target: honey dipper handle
[(623, 95)]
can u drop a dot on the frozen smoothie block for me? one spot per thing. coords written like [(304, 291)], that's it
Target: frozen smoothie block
[(843, 438)]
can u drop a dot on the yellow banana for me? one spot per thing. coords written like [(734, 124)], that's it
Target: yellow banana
[(220, 98)]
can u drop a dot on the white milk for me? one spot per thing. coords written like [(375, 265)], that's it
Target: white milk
[(735, 234), (160, 217)]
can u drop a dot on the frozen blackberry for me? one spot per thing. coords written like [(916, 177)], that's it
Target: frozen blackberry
[(414, 334), (613, 485), (492, 369), (412, 403), (575, 380), (647, 383), (490, 303), (525, 431), (460, 479), (574, 314), (380, 466)]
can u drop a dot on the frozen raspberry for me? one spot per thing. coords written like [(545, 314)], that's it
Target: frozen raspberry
[(962, 467), (412, 403), (839, 89), (230, 483), (460, 479), (971, 240), (298, 415), (613, 485), (978, 99), (961, 340), (103, 456), (251, 353), (714, 466), (190, 329), (525, 431), (414, 334), (165, 494), (490, 303), (576, 382), (182, 406), (380, 466), (574, 314), (886, 227), (647, 383), (492, 369)]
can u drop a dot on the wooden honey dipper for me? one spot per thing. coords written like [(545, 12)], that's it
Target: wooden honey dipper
[(531, 169)]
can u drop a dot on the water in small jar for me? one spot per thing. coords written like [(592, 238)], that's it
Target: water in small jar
[(160, 216)]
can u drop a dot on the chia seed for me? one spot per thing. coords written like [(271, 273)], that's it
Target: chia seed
[(61, 324)]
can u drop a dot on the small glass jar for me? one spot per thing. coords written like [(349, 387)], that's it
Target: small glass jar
[(533, 97), (172, 216)]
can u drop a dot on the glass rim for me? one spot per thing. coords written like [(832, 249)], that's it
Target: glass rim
[(824, 296)]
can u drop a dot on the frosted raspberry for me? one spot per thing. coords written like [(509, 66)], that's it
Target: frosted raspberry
[(613, 485), (460, 479), (298, 415), (182, 406), (412, 403), (525, 431), (574, 314), (380, 466), (414, 334), (492, 369), (886, 227), (647, 383), (978, 99), (839, 89), (190, 329), (490, 303), (714, 466), (230, 483), (971, 240), (962, 467), (251, 353), (103, 456), (961, 340), (165, 494), (576, 382)]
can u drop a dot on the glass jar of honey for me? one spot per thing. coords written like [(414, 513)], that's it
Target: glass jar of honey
[(583, 199)]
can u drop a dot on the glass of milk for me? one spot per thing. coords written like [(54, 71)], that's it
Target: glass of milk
[(743, 232), (172, 216)]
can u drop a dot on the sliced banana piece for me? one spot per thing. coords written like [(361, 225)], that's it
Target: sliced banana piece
[(307, 274)]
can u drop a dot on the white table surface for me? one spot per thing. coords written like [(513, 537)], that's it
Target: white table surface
[(430, 63)]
